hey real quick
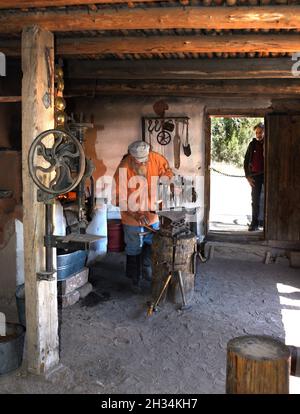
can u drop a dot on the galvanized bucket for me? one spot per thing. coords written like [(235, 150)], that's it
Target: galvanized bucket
[(11, 347), (70, 263)]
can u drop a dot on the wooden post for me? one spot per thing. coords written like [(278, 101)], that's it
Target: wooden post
[(257, 365), (41, 296)]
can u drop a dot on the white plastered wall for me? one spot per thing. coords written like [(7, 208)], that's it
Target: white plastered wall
[(118, 122)]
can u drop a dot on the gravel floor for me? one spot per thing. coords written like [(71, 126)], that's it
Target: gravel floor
[(109, 345)]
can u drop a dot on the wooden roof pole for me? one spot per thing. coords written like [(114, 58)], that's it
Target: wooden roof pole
[(41, 296), (180, 44), (269, 17), (197, 88), (251, 43), (22, 4), (217, 68)]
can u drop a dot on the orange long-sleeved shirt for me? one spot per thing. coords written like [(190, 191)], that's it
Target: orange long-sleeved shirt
[(131, 188)]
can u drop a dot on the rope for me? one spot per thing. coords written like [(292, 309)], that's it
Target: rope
[(228, 175)]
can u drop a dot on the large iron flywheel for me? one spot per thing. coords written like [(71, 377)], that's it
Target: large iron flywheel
[(56, 161)]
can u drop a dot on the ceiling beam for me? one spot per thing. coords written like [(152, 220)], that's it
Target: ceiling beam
[(22, 4), (9, 99), (269, 17), (234, 68), (248, 43), (180, 44), (10, 48), (266, 87)]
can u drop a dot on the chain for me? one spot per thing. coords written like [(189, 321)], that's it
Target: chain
[(228, 175)]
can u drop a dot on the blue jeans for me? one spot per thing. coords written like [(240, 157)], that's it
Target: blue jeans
[(257, 208), (134, 242)]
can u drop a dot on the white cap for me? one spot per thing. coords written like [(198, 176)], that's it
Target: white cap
[(139, 150)]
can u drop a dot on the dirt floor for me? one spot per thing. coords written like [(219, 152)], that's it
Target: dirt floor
[(109, 345)]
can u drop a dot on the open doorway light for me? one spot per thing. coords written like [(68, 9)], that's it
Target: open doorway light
[(230, 192)]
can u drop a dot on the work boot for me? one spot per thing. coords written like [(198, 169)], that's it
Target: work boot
[(134, 271), (147, 269)]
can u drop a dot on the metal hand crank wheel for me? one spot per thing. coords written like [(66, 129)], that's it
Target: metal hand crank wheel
[(56, 161)]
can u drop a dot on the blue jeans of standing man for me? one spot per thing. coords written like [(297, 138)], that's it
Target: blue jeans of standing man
[(255, 194), (134, 242)]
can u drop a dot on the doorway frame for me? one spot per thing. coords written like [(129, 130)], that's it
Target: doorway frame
[(216, 112)]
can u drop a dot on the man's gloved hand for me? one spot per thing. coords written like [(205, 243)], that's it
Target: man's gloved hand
[(141, 218), (144, 221)]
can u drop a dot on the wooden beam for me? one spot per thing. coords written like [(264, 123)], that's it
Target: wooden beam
[(251, 43), (41, 296), (245, 87), (5, 99), (181, 69), (269, 17), (11, 48), (24, 4), (180, 44)]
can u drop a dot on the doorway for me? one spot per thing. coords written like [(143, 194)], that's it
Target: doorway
[(228, 193)]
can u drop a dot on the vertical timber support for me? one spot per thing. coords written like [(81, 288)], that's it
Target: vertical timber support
[(37, 115)]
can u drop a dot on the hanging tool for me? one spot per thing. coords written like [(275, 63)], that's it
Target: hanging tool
[(176, 146), (47, 98), (186, 146), (150, 130), (168, 125), (157, 125), (163, 137)]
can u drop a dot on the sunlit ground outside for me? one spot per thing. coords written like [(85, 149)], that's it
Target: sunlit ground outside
[(289, 297), (230, 199)]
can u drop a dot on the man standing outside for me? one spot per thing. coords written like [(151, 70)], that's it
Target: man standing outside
[(135, 176), (254, 172)]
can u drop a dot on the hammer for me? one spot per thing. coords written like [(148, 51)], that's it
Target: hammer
[(144, 233)]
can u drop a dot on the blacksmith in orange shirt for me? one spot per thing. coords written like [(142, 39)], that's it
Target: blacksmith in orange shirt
[(136, 181)]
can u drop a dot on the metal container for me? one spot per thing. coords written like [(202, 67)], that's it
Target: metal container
[(20, 299), (11, 348), (115, 236), (70, 263)]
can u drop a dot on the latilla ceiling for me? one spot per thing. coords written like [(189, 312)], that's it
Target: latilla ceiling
[(144, 28)]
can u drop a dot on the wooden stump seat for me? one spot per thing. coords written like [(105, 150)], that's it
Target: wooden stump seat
[(257, 365)]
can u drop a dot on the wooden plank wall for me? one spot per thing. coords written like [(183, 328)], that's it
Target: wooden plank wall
[(283, 178)]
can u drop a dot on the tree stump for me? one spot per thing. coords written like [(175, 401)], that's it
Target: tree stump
[(162, 252), (257, 365)]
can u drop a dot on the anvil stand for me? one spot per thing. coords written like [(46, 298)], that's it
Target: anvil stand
[(176, 227)]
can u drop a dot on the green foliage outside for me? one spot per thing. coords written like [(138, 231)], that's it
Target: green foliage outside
[(230, 138)]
